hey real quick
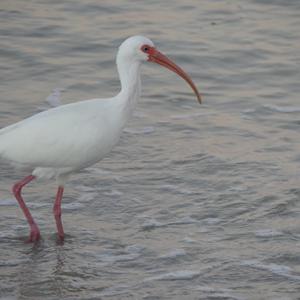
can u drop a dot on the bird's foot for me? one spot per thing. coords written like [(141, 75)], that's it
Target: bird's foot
[(60, 236), (34, 234), (60, 239)]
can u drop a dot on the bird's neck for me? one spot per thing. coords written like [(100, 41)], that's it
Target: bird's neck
[(129, 73)]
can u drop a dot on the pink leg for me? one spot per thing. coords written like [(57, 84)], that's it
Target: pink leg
[(17, 189), (57, 212)]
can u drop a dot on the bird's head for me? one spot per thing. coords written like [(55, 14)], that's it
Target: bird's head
[(139, 48)]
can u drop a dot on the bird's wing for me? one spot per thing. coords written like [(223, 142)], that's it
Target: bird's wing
[(59, 137)]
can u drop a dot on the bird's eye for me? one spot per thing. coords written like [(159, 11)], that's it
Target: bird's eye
[(145, 48)]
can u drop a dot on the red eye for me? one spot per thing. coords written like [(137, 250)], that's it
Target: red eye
[(145, 48)]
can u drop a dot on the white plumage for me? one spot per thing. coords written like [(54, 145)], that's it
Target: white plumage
[(65, 139)]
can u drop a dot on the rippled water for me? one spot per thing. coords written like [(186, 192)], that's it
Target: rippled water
[(196, 202)]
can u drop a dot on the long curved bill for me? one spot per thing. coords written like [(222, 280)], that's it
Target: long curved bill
[(159, 58)]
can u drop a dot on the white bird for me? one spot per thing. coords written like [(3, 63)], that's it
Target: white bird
[(54, 98), (65, 139)]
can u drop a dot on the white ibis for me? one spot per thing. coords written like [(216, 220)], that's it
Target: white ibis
[(65, 139)]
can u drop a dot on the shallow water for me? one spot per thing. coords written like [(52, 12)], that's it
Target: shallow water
[(196, 202)]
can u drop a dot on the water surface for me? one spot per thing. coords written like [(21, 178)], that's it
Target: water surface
[(195, 202)]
